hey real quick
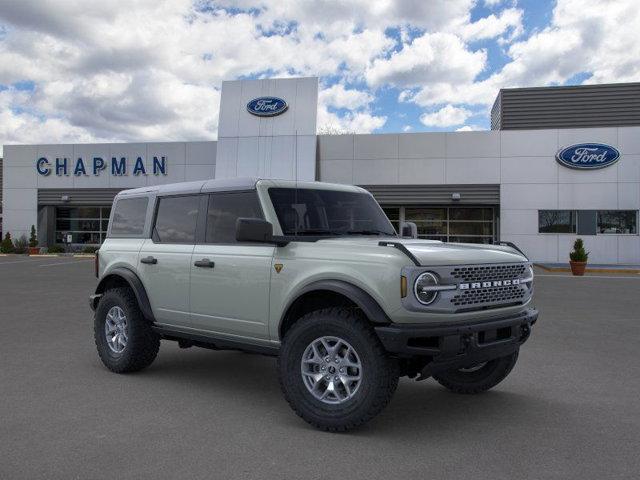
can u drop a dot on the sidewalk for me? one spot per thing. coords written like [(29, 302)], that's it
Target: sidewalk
[(591, 268)]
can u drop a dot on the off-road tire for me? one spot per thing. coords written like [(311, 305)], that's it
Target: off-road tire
[(380, 373), (142, 344), (480, 380)]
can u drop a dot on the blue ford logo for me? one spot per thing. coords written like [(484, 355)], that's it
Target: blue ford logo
[(267, 106), (588, 156)]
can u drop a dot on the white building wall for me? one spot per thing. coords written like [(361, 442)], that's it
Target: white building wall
[(184, 160), (521, 162), (283, 146)]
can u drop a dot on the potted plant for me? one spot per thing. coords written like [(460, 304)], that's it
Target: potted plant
[(33, 242), (578, 258), (21, 245), (7, 244)]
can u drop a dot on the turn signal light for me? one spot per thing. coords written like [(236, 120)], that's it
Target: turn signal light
[(403, 286)]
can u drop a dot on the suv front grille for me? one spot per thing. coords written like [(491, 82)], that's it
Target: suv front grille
[(491, 295), (488, 272)]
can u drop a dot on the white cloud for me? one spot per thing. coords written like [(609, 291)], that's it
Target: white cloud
[(492, 3), (152, 70), (447, 116), (469, 128), (407, 128), (583, 37), (432, 57), (509, 20), (338, 96)]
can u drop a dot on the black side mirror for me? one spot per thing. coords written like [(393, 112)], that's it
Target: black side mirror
[(409, 230), (254, 230)]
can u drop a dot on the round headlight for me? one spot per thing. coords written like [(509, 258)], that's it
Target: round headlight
[(421, 288)]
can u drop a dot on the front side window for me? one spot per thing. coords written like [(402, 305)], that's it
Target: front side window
[(307, 211), (129, 216), (618, 221), (176, 219), (224, 209), (556, 221)]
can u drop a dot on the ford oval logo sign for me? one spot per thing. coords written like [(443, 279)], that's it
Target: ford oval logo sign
[(267, 106), (588, 156)]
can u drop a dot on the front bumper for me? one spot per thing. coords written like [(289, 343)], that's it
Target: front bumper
[(450, 346)]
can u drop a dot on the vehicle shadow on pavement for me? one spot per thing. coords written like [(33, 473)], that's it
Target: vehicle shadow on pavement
[(416, 406)]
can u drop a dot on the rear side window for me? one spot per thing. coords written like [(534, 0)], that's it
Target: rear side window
[(176, 219), (128, 216), (224, 209)]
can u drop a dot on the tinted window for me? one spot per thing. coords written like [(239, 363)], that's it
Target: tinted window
[(129, 216), (617, 221), (556, 221), (224, 210), (176, 219), (328, 212)]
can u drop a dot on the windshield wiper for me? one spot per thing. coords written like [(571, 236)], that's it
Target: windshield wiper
[(317, 231), (369, 232)]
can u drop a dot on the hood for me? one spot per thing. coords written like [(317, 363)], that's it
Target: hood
[(433, 252)]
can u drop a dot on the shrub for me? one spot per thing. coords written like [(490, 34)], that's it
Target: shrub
[(90, 249), (579, 254), (20, 245), (56, 249), (7, 244), (33, 238)]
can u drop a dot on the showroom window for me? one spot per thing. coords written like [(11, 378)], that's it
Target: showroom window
[(557, 221), (393, 214), (86, 225), (618, 221), (448, 224)]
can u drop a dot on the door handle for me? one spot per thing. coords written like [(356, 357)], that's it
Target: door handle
[(149, 260), (204, 263)]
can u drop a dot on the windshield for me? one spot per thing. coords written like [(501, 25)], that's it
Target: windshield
[(307, 211)]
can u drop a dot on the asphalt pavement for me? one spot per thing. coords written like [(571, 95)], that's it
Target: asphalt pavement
[(570, 409)]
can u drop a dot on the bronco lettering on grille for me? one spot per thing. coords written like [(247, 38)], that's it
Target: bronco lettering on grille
[(489, 284)]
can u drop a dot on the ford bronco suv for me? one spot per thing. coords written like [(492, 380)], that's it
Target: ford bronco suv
[(312, 273)]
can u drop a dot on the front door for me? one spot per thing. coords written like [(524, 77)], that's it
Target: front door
[(230, 280), (164, 263)]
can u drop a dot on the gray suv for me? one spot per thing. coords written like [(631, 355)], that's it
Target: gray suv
[(312, 273)]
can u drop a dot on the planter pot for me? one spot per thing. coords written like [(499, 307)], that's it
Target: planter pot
[(578, 268), (34, 250)]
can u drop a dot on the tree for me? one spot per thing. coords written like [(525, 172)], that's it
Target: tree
[(7, 244), (579, 254), (33, 239)]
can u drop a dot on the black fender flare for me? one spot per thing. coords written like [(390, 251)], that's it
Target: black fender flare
[(135, 284), (357, 295)]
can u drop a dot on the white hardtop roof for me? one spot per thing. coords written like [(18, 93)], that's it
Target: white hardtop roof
[(231, 184)]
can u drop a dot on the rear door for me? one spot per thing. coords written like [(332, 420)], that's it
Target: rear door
[(230, 280), (164, 263)]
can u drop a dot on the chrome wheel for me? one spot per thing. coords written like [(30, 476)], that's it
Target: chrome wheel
[(116, 330), (331, 370)]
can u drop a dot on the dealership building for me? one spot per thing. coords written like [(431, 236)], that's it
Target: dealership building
[(559, 163)]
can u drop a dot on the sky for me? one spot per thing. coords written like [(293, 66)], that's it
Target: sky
[(77, 71)]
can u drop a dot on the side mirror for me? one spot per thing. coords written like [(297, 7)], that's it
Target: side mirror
[(409, 230), (254, 230)]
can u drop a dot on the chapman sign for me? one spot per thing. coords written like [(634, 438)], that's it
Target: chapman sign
[(96, 165), (267, 106), (588, 156)]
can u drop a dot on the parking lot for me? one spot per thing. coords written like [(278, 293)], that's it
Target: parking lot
[(570, 409)]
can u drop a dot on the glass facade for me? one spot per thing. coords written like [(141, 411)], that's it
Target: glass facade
[(448, 224), (86, 225)]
